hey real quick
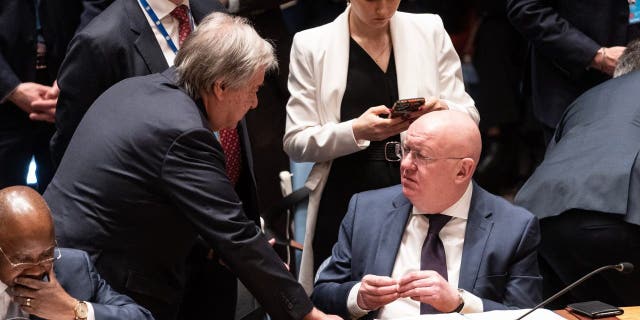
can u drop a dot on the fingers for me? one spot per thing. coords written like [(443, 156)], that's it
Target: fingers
[(415, 283), (376, 291), (29, 283), (26, 303), (47, 117), (378, 110), (43, 110), (383, 285), (44, 105), (53, 92)]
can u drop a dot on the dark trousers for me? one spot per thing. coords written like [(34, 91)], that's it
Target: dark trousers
[(578, 242), (17, 146), (211, 290)]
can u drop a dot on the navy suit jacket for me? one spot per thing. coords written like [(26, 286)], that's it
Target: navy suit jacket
[(499, 257), (117, 44), (143, 176), (565, 36), (591, 163), (79, 278)]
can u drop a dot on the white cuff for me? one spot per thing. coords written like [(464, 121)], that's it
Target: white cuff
[(90, 314), (352, 303), (361, 143), (472, 303)]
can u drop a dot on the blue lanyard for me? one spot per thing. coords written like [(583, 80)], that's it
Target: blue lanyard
[(159, 25)]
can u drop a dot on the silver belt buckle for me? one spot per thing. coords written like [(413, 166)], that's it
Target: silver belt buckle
[(392, 151)]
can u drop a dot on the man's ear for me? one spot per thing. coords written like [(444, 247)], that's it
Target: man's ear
[(466, 167), (219, 89)]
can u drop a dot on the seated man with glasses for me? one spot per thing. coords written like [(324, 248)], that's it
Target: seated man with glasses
[(39, 279), (438, 243)]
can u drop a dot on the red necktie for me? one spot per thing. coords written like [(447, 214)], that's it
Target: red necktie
[(231, 145), (433, 256), (181, 13)]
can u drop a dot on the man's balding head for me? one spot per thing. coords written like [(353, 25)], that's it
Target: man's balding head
[(26, 231), (23, 209), (456, 131), (445, 149)]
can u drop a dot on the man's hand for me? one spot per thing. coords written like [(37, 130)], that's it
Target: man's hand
[(377, 291), (316, 314), (429, 287), (37, 100), (48, 300), (26, 93), (606, 59)]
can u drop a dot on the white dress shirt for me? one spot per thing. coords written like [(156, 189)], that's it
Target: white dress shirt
[(6, 305), (408, 260), (163, 9)]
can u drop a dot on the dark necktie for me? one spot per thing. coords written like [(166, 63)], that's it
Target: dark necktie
[(181, 13), (433, 256), (231, 146)]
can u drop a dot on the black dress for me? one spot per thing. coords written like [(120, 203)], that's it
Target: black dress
[(367, 86)]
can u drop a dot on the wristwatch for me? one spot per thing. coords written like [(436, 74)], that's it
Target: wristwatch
[(461, 305), (81, 310)]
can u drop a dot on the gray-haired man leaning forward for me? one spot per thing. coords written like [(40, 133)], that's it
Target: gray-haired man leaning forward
[(144, 175)]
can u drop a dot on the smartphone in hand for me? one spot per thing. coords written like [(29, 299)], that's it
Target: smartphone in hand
[(404, 107)]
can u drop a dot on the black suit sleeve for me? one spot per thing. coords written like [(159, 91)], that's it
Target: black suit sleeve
[(110, 305), (84, 75), (90, 9), (553, 35), (193, 175), (8, 79)]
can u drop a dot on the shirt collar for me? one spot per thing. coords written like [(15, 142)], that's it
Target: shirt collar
[(163, 8), (460, 209), (3, 287)]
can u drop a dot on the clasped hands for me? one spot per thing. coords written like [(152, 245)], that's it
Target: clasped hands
[(371, 126), (426, 286), (44, 299), (39, 101)]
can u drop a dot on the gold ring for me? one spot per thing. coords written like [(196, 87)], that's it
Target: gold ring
[(28, 302)]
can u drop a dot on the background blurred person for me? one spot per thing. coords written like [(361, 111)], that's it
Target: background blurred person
[(585, 192), (34, 35), (574, 45)]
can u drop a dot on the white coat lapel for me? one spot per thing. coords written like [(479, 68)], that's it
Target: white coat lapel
[(335, 67), (407, 57)]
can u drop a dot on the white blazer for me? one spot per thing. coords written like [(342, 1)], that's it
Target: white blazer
[(426, 66)]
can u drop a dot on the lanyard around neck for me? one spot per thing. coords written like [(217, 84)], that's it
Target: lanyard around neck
[(156, 21)]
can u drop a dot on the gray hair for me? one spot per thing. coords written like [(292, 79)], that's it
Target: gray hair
[(222, 48), (629, 60)]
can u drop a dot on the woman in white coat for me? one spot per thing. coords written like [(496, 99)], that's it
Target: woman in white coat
[(343, 78)]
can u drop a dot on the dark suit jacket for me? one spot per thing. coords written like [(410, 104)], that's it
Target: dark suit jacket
[(59, 19), (499, 258), (79, 278), (119, 44), (141, 179), (591, 163), (565, 36)]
